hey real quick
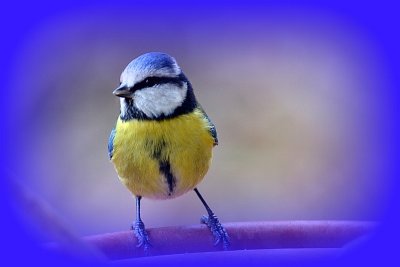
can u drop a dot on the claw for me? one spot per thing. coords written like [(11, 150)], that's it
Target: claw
[(217, 230), (204, 219), (141, 235)]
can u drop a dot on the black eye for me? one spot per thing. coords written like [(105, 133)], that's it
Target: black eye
[(149, 82)]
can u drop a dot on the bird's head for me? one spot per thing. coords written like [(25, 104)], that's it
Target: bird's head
[(154, 85)]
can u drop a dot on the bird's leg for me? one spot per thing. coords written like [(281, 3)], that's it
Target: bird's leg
[(139, 229), (213, 223)]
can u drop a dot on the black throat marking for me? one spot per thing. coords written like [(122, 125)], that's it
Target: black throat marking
[(164, 167), (188, 105)]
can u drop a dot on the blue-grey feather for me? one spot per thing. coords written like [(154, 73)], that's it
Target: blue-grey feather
[(111, 143), (211, 129)]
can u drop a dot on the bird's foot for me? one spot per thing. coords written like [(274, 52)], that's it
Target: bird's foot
[(141, 234), (216, 229)]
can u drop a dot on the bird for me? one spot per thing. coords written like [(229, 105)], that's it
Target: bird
[(161, 145)]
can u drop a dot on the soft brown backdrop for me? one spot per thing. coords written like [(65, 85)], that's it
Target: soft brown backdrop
[(292, 97)]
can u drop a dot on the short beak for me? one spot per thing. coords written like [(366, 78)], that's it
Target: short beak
[(122, 91)]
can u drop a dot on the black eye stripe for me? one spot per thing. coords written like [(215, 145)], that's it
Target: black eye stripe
[(152, 81)]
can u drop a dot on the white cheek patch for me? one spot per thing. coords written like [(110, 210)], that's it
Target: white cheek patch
[(160, 99)]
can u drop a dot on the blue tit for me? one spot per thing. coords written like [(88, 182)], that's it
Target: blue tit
[(161, 146)]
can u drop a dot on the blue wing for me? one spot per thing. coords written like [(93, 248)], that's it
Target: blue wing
[(111, 143), (212, 129)]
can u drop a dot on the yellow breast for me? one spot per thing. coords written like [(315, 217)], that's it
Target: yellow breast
[(145, 150)]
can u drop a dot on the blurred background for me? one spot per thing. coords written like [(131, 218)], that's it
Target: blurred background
[(294, 94)]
